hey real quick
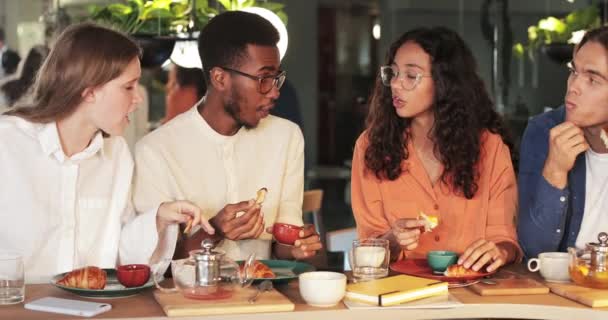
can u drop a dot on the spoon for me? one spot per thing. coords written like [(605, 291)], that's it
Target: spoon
[(266, 285)]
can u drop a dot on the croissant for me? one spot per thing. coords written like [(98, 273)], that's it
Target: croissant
[(456, 270), (260, 270), (85, 278)]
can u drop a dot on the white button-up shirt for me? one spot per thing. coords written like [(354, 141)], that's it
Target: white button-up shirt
[(187, 159), (62, 213)]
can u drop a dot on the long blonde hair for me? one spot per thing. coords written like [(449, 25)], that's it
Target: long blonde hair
[(84, 56)]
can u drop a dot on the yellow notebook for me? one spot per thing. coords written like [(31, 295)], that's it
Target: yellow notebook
[(395, 290)]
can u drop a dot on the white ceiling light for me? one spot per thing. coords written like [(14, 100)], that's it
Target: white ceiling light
[(276, 22), (185, 53)]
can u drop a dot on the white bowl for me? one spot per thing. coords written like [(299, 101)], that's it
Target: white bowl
[(322, 288)]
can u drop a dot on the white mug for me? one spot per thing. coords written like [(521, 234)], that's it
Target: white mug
[(553, 266)]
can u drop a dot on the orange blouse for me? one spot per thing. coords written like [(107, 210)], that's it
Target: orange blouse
[(490, 214)]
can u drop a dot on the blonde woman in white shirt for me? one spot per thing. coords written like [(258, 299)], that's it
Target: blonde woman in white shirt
[(65, 197)]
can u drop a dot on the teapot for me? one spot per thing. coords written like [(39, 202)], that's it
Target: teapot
[(208, 274), (589, 267)]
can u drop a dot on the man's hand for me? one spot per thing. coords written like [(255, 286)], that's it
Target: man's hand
[(566, 142), (305, 247), (248, 226)]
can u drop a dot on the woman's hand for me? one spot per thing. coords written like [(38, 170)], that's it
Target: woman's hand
[(181, 211), (406, 232), (483, 252)]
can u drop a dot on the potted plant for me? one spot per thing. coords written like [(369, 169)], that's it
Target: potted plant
[(556, 37), (157, 24)]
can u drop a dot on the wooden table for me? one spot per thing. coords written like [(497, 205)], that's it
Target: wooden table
[(143, 306)]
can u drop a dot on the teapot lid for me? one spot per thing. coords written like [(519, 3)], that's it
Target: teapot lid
[(207, 253), (601, 246)]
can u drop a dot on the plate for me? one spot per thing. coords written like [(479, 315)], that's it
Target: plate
[(113, 288), (284, 270), (420, 268)]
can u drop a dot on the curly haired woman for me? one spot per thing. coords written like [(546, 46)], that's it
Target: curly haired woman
[(435, 144)]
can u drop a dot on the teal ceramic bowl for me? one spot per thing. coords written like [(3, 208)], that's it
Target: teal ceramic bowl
[(440, 260)]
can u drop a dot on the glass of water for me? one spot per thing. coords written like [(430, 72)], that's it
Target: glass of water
[(369, 259), (12, 284)]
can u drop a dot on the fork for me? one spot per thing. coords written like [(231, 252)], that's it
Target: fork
[(265, 285)]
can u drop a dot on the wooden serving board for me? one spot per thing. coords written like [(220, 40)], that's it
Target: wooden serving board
[(505, 287), (174, 304), (587, 296)]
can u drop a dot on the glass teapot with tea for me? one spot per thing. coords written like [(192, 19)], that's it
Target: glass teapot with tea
[(208, 274), (589, 267)]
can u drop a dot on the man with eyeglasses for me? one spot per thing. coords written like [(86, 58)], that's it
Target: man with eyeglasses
[(563, 175), (227, 147)]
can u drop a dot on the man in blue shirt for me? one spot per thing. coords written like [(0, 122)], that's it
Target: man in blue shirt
[(558, 151)]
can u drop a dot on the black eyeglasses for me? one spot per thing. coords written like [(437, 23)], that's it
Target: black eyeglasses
[(265, 83)]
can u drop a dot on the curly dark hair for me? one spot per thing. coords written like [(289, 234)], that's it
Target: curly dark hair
[(462, 109)]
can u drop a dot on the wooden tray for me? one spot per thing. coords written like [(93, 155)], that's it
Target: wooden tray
[(174, 304)]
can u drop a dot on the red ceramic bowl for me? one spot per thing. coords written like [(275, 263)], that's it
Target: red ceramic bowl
[(133, 275), (286, 233)]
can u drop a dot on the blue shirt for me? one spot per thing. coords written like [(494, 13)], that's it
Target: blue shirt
[(549, 218)]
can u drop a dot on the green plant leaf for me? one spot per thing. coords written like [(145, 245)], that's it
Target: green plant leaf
[(227, 4), (272, 6), (518, 50)]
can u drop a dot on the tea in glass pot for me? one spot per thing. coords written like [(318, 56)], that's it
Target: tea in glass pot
[(589, 267), (208, 274)]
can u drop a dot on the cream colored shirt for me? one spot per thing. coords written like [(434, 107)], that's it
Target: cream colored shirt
[(186, 159), (62, 213)]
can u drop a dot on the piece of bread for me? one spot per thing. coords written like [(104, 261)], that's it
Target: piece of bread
[(261, 195), (456, 270), (85, 278), (260, 270), (604, 136), (430, 222)]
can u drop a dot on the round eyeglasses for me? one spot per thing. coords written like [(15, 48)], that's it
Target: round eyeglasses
[(265, 83), (409, 79)]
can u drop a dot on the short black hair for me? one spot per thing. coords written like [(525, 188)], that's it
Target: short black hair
[(223, 41), (1, 34)]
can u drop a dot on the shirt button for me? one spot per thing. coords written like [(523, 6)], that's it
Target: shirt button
[(558, 230), (436, 207), (437, 238), (562, 199)]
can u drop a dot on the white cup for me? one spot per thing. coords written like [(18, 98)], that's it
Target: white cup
[(12, 284), (553, 266), (322, 288)]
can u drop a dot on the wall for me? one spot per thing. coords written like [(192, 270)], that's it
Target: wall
[(300, 61)]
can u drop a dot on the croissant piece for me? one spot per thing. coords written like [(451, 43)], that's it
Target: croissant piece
[(260, 270), (261, 195), (456, 270), (431, 222), (85, 278)]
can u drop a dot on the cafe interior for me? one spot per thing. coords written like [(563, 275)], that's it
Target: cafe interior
[(332, 51)]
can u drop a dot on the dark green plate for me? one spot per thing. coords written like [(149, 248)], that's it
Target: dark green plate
[(285, 270), (113, 288)]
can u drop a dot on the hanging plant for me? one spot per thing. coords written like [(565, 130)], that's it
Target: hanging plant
[(556, 37), (156, 24)]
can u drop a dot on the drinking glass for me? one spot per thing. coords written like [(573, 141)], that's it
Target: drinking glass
[(369, 258), (12, 284)]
